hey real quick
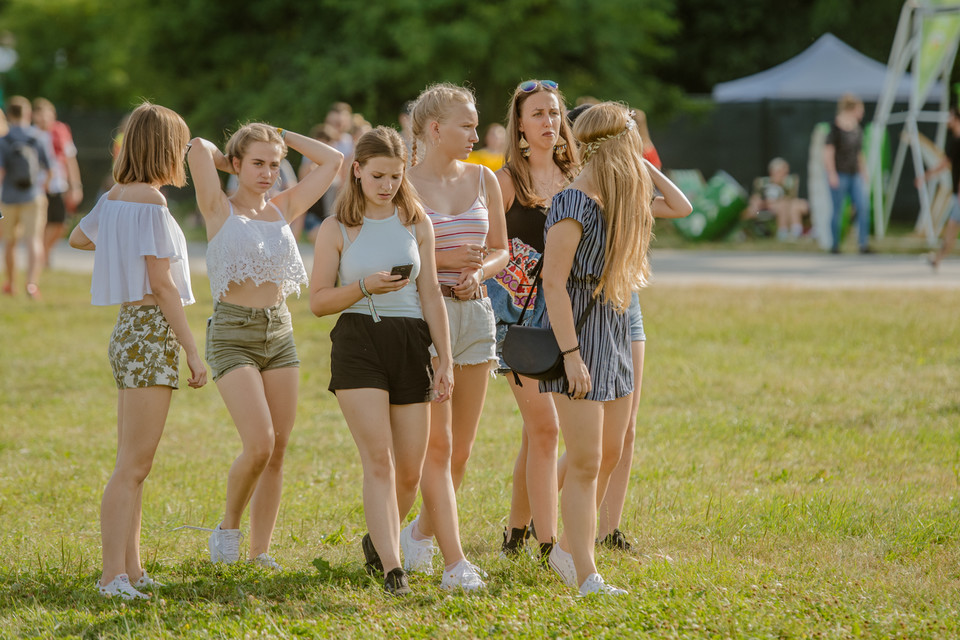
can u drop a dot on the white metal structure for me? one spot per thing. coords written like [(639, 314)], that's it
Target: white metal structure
[(926, 44)]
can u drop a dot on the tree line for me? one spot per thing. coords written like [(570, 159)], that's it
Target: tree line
[(220, 62)]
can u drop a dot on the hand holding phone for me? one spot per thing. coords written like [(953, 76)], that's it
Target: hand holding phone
[(402, 270)]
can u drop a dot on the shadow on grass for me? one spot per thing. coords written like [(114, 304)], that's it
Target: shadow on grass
[(193, 581)]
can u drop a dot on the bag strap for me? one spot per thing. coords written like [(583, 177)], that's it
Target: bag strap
[(536, 282), (586, 312)]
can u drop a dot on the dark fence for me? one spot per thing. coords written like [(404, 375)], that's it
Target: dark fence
[(741, 138)]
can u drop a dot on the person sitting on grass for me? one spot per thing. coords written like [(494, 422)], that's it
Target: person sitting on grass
[(776, 193)]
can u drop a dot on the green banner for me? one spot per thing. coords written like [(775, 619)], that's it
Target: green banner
[(940, 33)]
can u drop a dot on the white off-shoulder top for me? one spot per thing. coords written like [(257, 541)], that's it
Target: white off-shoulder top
[(258, 250), (124, 233)]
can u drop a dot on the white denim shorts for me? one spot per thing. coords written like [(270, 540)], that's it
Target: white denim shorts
[(473, 331)]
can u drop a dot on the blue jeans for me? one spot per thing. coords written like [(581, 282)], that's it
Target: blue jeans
[(850, 184)]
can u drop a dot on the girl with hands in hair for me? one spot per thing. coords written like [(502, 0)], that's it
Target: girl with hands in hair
[(253, 263)]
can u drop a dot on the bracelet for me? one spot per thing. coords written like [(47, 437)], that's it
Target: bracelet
[(282, 133), (369, 296), (481, 273), (576, 348), (363, 289)]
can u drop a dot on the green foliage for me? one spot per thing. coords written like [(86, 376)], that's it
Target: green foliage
[(720, 40), (71, 51), (286, 61)]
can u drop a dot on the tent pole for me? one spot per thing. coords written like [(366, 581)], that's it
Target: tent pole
[(895, 172), (899, 58)]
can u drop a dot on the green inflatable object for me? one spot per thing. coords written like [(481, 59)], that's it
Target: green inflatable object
[(717, 204)]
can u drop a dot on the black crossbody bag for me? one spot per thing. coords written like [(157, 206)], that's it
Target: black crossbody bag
[(533, 351)]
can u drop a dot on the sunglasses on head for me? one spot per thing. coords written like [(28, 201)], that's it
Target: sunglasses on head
[(531, 85)]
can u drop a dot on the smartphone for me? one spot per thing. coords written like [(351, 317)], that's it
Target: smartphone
[(402, 270)]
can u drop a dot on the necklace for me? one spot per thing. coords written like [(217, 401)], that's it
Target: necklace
[(547, 188)]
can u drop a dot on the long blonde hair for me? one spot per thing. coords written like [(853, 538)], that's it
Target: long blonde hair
[(153, 148), (432, 104), (614, 154), (517, 165), (381, 142)]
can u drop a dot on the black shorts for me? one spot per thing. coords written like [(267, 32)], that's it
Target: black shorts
[(56, 209), (393, 355)]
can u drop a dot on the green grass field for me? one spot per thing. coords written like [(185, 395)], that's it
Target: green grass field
[(796, 476)]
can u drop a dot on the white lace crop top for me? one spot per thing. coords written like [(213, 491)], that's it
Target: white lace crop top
[(124, 233), (258, 250)]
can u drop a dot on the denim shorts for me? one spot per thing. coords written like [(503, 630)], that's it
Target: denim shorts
[(472, 331), (636, 319), (143, 350), (240, 336), (954, 209)]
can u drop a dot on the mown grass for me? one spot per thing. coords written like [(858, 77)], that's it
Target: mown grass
[(796, 475)]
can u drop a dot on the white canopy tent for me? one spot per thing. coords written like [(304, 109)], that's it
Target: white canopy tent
[(926, 43), (823, 71)]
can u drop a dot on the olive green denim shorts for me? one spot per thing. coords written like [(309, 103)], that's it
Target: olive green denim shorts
[(240, 336), (143, 350)]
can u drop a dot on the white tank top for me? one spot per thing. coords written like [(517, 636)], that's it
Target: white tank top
[(382, 245), (259, 250)]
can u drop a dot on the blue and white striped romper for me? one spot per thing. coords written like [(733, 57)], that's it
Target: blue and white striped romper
[(605, 337)]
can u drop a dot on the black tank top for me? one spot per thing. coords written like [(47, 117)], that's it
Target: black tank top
[(526, 223)]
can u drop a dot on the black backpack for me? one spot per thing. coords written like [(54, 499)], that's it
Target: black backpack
[(22, 163)]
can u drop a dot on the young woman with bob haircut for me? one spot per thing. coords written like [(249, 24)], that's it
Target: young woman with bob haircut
[(140, 263)]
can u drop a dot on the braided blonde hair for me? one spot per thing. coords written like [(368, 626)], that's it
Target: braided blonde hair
[(432, 105), (612, 146)]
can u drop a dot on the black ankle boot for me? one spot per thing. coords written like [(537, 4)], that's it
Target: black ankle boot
[(395, 582), (373, 565), (513, 542), (545, 549)]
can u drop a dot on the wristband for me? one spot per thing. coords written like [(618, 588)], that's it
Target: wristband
[(369, 297), (576, 348), (363, 289), (282, 133)]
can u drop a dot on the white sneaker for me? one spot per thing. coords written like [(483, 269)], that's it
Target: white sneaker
[(265, 561), (417, 554), (120, 586), (562, 562), (463, 575), (594, 584), (146, 582), (225, 545)]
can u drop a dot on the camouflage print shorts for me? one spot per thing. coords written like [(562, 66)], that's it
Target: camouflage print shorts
[(144, 351)]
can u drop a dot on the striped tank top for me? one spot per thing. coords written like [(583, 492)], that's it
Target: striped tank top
[(452, 231)]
